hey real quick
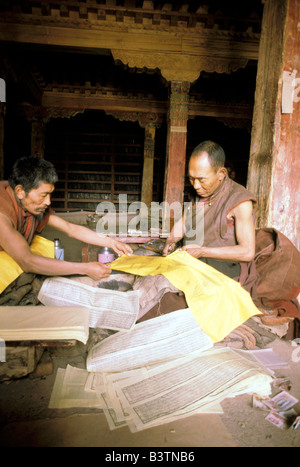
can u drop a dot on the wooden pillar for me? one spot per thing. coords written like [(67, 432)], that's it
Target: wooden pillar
[(37, 137), (2, 115), (150, 121), (274, 167), (147, 180), (176, 142)]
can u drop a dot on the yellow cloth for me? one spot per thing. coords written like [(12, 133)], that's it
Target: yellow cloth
[(10, 270), (218, 303)]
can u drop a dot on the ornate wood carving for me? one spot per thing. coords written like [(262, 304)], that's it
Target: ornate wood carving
[(179, 67), (179, 42), (144, 118), (33, 112), (38, 116), (162, 16), (245, 123), (179, 105)]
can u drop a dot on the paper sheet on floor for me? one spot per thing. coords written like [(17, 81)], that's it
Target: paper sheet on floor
[(270, 359), (69, 390), (76, 387), (157, 392), (109, 309), (159, 339), (165, 392), (218, 303), (189, 385)]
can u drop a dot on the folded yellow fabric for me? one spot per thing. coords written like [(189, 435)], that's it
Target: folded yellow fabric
[(218, 303), (10, 270)]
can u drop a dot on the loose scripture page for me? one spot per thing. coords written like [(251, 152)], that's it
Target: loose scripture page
[(188, 385), (156, 340), (69, 390), (114, 411), (109, 309), (116, 415)]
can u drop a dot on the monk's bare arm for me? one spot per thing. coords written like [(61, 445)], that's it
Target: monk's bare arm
[(16, 246), (245, 234), (87, 235)]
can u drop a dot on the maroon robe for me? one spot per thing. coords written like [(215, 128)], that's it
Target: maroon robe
[(24, 222)]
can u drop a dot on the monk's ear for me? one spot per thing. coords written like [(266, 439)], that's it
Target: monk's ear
[(20, 192), (222, 173)]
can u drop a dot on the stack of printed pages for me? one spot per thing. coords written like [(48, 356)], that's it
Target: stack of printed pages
[(108, 309), (163, 369), (29, 323)]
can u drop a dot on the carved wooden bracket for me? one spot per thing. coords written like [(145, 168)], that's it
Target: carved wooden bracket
[(179, 67), (34, 112), (179, 104), (243, 123), (145, 119)]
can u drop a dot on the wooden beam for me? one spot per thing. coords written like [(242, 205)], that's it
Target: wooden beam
[(108, 100), (284, 211), (176, 143), (274, 167), (180, 54), (267, 87), (185, 42), (147, 180)]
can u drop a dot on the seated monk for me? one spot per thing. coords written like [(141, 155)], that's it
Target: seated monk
[(227, 225), (25, 201), (226, 237)]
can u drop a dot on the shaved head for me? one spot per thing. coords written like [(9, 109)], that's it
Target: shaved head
[(214, 151), (206, 168)]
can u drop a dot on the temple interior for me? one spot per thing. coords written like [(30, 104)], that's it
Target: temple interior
[(117, 94)]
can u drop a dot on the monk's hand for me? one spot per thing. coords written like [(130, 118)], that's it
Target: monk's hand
[(121, 248), (169, 248), (97, 271), (194, 250)]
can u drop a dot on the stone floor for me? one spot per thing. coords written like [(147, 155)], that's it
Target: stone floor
[(26, 420)]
